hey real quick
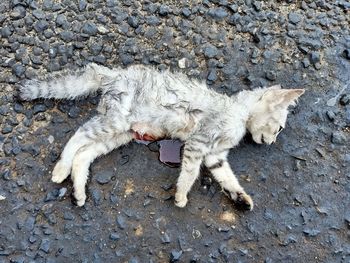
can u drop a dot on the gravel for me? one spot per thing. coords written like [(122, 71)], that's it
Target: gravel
[(175, 256), (218, 13), (339, 138), (103, 178), (210, 51), (89, 28), (121, 222), (294, 18), (114, 236), (45, 245)]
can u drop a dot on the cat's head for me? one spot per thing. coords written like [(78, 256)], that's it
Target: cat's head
[(268, 116)]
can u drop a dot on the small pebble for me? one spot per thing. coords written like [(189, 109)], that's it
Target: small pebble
[(32, 239), (164, 10), (6, 129), (62, 191), (45, 245), (186, 12), (165, 238), (338, 137), (18, 69), (39, 108), (175, 255), (89, 28), (96, 196), (344, 99), (212, 75), (104, 177), (74, 112), (6, 175), (311, 232), (82, 5), (41, 25), (217, 13), (271, 75), (68, 216), (182, 63), (306, 62), (114, 236), (315, 57), (330, 115), (294, 18), (347, 53), (121, 222), (210, 51), (29, 223), (51, 139)]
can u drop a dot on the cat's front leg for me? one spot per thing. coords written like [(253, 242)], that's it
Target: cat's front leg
[(194, 152), (221, 170)]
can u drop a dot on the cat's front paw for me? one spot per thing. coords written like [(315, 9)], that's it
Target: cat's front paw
[(80, 198), (242, 200), (60, 172), (180, 200)]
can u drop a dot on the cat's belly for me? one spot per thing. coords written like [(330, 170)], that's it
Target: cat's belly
[(146, 132), (144, 137), (155, 123)]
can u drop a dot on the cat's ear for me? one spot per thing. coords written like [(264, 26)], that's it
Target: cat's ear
[(282, 97)]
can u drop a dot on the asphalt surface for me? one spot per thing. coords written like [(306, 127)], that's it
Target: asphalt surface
[(300, 185)]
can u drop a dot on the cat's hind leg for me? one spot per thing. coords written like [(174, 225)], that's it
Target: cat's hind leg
[(221, 171), (86, 155), (94, 129)]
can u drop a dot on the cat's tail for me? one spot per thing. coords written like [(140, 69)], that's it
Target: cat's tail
[(63, 86)]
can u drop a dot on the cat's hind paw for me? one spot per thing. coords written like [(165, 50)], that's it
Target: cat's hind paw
[(180, 200), (60, 172)]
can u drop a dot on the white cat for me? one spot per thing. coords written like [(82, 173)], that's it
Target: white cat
[(143, 101)]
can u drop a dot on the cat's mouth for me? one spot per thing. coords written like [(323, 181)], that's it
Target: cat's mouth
[(259, 139), (266, 140), (262, 138)]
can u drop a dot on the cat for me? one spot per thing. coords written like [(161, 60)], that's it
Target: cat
[(142, 102)]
